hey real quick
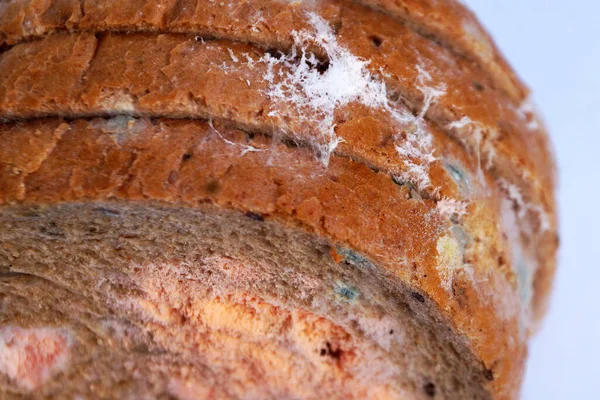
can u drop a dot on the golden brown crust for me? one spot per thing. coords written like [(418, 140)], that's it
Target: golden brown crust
[(173, 75), (15, 64), (470, 91), (189, 162)]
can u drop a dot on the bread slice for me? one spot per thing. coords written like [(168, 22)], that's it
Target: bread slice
[(271, 316), (460, 97), (252, 226), (92, 177)]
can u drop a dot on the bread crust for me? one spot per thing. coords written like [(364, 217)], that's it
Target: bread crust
[(448, 21), (470, 91), (110, 87)]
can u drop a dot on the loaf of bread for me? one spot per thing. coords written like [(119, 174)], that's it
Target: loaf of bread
[(282, 199)]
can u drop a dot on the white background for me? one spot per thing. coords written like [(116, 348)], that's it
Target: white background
[(555, 47)]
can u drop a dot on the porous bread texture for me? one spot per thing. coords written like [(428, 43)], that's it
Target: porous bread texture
[(109, 357), (226, 292)]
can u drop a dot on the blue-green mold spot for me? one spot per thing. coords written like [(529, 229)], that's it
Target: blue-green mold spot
[(524, 278), (354, 258), (459, 176), (346, 292)]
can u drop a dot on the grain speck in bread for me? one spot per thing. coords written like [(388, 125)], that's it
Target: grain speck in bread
[(266, 199)]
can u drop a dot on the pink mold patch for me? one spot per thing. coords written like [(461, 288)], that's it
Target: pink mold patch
[(189, 390), (30, 356)]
